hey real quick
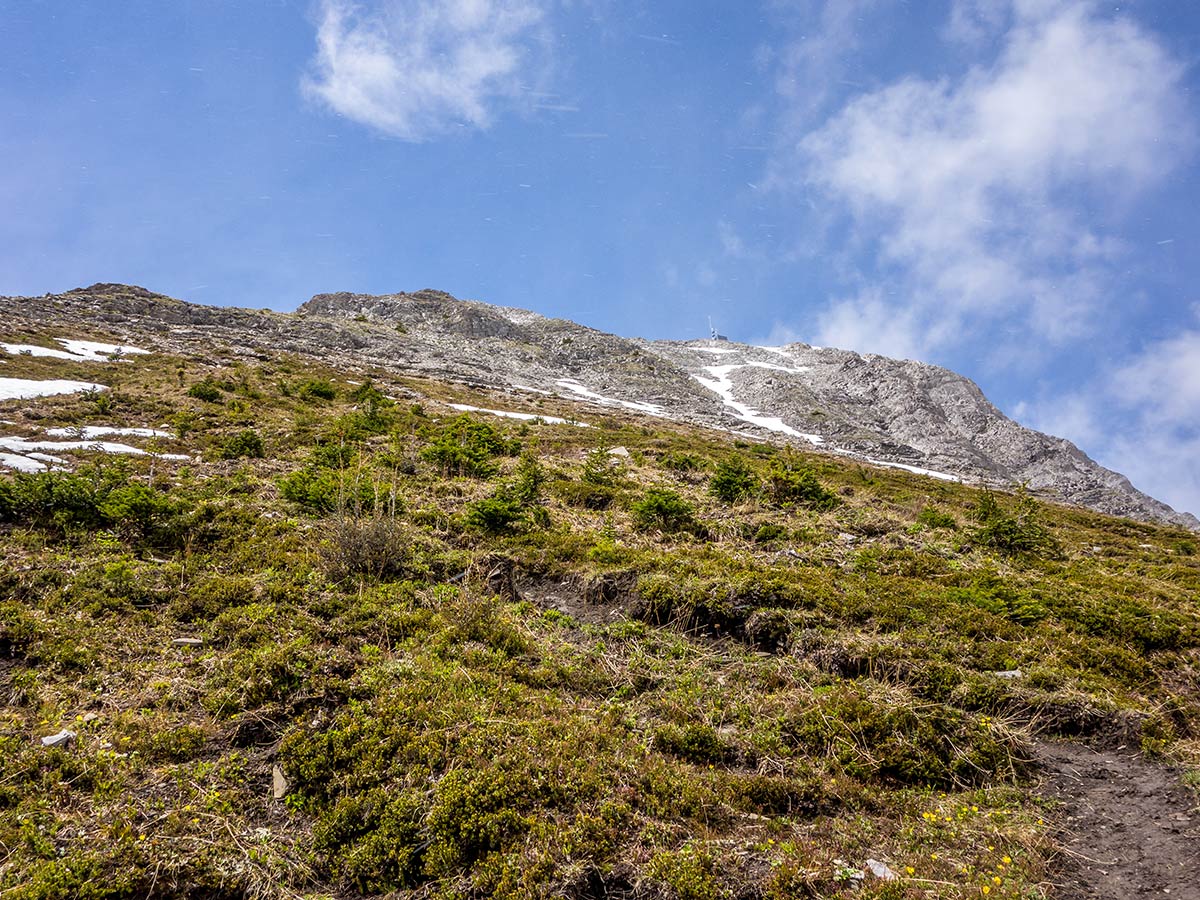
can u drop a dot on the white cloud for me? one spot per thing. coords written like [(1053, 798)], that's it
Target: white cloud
[(978, 216), (868, 322), (973, 21), (414, 68), (1142, 419), (808, 69), (1163, 381), (1164, 465), (981, 193)]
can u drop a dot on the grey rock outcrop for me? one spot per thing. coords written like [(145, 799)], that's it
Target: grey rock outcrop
[(891, 412)]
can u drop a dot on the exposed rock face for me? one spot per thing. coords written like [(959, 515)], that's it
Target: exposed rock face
[(889, 411)]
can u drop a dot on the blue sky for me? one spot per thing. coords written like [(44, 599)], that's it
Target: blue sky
[(1005, 187)]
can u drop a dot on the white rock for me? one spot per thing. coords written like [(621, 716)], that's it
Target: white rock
[(187, 642), (881, 870), (57, 740), (279, 783)]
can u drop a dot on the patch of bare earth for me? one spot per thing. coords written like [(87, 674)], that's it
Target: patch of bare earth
[(1127, 826)]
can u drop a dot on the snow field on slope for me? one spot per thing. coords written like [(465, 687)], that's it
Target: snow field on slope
[(28, 389), (524, 417), (77, 351), (722, 385), (651, 409)]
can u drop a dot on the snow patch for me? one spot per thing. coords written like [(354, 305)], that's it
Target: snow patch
[(76, 351), (27, 389), (25, 447), (96, 351), (762, 365), (34, 350), (20, 463), (90, 432), (524, 417), (916, 470), (722, 385), (576, 388), (46, 457)]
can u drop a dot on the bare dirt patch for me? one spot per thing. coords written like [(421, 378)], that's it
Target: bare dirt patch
[(601, 600), (1127, 826)]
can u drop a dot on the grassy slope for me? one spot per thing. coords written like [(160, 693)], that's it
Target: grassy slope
[(744, 698)]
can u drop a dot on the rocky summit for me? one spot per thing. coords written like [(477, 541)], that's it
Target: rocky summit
[(897, 413)]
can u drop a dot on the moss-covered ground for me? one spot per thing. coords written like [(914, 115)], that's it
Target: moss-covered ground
[(449, 655)]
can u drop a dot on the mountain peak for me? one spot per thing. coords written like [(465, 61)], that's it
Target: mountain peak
[(898, 413)]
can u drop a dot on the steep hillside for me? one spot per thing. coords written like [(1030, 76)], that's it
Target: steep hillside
[(314, 624), (899, 413)]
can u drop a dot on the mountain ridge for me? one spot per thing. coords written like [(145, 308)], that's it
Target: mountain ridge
[(900, 413)]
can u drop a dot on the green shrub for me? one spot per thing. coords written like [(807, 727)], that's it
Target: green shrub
[(175, 744), (320, 490), (1016, 533), (143, 513), (584, 495), (734, 480), (18, 630), (466, 448), (373, 840), (245, 443), (316, 389), (768, 532), (695, 743), (786, 485), (690, 874), (206, 390), (932, 517), (663, 510), (211, 596), (601, 468), (493, 514), (332, 455), (59, 501), (529, 478), (678, 461)]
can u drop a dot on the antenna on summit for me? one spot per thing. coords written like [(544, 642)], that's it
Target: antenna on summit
[(716, 336)]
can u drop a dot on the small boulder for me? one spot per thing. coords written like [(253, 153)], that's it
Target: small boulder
[(1009, 674), (881, 870), (61, 739), (279, 784)]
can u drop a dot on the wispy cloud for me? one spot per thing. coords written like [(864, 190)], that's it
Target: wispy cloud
[(976, 197), (1143, 418), (981, 216), (412, 69), (809, 69)]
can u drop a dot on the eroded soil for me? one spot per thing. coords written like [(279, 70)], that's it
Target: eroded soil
[(1129, 829)]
